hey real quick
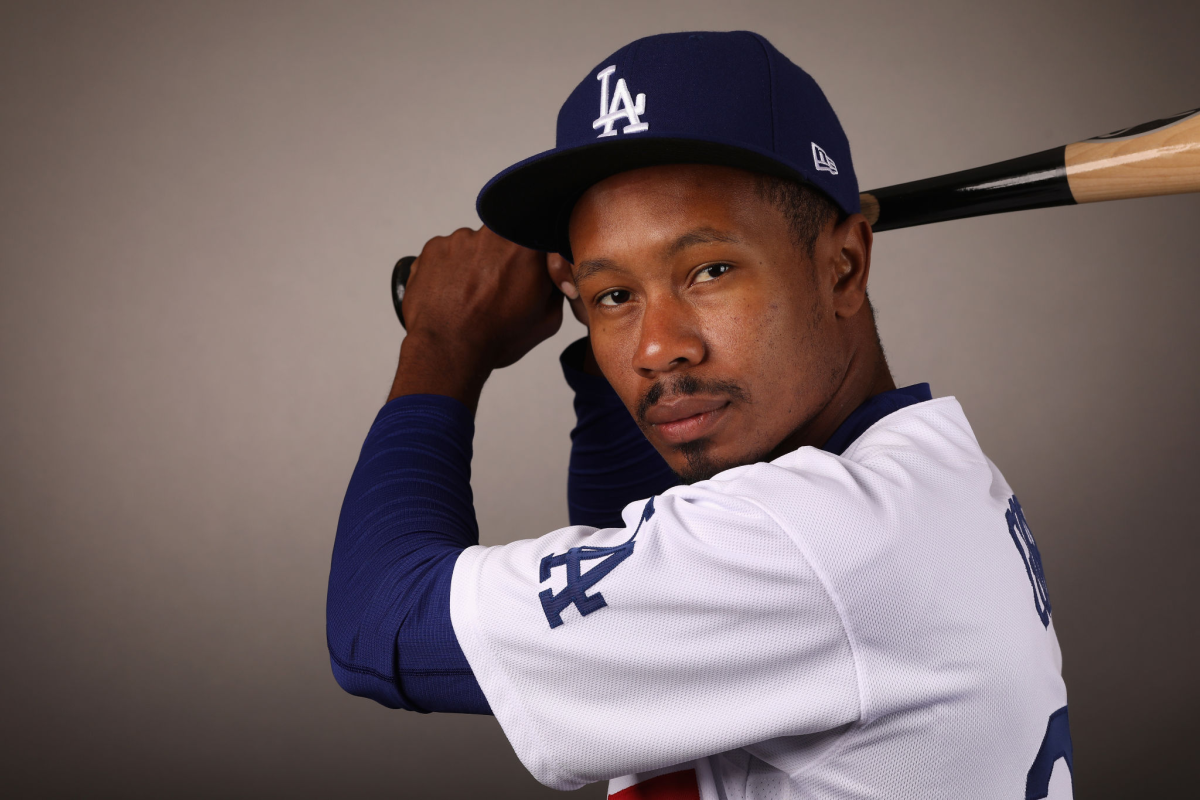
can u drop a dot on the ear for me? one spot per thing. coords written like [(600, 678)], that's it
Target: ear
[(560, 274), (851, 241)]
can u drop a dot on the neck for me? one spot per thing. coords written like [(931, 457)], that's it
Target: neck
[(866, 375)]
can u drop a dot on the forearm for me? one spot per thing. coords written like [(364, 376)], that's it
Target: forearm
[(407, 516), (440, 365), (474, 303)]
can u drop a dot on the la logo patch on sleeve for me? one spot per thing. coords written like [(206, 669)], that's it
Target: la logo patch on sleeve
[(578, 581)]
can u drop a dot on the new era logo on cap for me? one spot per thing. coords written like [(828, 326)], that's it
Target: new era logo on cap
[(822, 161)]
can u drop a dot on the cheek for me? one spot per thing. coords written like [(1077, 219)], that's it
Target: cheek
[(608, 345), (613, 350), (774, 349), (755, 339)]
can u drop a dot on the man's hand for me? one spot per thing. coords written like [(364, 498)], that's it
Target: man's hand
[(474, 303)]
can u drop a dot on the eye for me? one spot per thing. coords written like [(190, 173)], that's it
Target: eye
[(616, 297), (711, 272)]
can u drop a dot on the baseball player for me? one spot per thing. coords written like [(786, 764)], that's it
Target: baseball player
[(784, 576)]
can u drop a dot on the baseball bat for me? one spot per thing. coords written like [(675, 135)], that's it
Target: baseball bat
[(1155, 158)]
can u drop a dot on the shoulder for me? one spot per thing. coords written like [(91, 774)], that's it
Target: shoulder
[(938, 428), (911, 444)]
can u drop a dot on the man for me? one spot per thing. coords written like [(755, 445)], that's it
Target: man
[(831, 592)]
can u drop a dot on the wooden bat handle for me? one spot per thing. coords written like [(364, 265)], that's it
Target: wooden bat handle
[(870, 207)]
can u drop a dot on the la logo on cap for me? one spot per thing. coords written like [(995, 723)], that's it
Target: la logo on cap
[(623, 106)]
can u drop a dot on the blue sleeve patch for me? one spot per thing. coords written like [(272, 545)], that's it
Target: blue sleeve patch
[(579, 582)]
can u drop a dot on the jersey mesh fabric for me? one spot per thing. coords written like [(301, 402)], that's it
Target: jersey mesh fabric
[(721, 609), (876, 595)]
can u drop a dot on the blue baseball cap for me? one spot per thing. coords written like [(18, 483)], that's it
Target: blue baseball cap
[(726, 98)]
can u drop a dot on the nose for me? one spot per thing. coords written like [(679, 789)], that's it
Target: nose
[(669, 339)]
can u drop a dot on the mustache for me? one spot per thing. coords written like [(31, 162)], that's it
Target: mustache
[(685, 385)]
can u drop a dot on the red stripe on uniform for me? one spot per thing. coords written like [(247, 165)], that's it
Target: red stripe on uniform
[(672, 786)]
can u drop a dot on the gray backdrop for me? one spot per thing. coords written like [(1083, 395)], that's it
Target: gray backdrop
[(199, 207)]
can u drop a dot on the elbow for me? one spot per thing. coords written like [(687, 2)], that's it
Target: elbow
[(361, 663), (363, 681)]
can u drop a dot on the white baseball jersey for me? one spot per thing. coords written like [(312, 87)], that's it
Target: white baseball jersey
[(869, 625)]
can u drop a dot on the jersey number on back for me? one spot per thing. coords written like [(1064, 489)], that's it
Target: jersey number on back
[(1022, 537), (1056, 746)]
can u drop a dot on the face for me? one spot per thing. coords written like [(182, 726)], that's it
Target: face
[(722, 336)]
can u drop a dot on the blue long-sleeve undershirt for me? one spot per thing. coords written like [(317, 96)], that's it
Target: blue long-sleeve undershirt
[(408, 513)]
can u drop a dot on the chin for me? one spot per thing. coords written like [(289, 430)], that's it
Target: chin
[(702, 460)]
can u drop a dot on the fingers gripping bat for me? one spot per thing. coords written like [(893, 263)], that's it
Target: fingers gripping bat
[(1155, 158)]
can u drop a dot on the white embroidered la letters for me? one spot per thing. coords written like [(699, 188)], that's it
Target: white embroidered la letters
[(822, 160), (623, 107)]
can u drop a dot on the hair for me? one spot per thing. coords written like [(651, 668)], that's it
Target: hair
[(806, 208)]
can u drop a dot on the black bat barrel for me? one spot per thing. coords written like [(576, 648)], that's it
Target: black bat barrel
[(1034, 181)]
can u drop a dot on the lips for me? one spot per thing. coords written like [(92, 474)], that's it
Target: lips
[(684, 419)]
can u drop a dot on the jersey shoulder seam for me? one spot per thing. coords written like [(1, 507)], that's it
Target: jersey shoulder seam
[(835, 598)]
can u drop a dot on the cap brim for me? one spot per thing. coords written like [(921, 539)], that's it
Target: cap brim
[(530, 203)]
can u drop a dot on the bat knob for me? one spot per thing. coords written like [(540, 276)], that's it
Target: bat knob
[(400, 274)]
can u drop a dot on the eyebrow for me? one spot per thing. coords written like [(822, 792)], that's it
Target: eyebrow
[(706, 235), (586, 269), (701, 236)]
